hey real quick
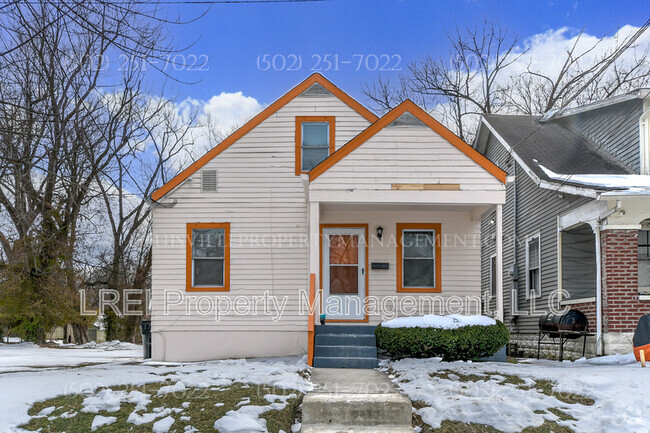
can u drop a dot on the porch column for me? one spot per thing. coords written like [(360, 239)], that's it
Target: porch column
[(499, 261), (314, 239)]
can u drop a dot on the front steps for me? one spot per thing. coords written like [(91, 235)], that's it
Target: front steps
[(345, 346), (349, 401)]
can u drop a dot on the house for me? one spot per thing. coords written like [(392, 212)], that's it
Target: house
[(374, 217), (576, 218)]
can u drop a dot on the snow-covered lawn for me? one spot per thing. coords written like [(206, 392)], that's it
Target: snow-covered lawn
[(29, 356), (30, 374), (608, 394)]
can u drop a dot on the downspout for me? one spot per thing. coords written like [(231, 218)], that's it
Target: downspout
[(599, 277), (514, 270), (599, 293)]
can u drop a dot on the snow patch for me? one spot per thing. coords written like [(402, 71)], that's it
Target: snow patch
[(163, 425), (100, 421)]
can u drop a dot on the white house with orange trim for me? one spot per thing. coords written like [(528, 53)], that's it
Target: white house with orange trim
[(383, 213)]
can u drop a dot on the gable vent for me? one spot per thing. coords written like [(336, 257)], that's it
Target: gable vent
[(209, 180)]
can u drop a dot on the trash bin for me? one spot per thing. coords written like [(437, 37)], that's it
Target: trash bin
[(145, 327)]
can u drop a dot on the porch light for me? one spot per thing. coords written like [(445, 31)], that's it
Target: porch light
[(380, 232)]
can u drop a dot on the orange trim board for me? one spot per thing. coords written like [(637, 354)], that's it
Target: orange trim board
[(320, 276), (265, 114), (438, 256), (423, 116), (226, 255), (332, 136)]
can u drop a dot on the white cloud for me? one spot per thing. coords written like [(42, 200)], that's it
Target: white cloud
[(213, 120)]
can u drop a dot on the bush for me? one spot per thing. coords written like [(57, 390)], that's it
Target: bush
[(465, 343)]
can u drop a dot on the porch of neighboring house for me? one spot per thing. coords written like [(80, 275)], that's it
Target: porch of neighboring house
[(376, 255), (603, 270)]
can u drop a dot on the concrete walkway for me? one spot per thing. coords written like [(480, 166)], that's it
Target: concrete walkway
[(354, 400)]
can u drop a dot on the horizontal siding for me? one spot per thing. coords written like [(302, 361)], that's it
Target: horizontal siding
[(460, 251), (259, 194), (537, 211), (405, 154), (614, 128)]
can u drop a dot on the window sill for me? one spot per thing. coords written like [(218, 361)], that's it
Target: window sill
[(644, 297), (416, 290), (207, 289), (578, 301)]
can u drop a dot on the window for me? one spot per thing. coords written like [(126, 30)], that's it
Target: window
[(644, 260), (314, 141), (418, 258), (208, 257), (533, 275), (493, 276)]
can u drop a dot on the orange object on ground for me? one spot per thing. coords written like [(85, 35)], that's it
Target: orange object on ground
[(637, 352)]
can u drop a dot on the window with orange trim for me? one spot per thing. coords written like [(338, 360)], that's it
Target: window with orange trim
[(314, 141), (208, 257), (418, 257)]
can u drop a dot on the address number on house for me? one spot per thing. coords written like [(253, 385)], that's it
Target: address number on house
[(329, 62)]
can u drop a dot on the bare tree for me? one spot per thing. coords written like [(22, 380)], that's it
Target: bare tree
[(469, 82), (60, 131), (479, 79), (155, 136), (583, 77)]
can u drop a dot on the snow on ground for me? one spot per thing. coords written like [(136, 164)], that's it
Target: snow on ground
[(452, 321), (29, 356), (618, 387), (29, 384)]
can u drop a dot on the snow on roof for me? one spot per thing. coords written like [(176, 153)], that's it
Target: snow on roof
[(630, 182)]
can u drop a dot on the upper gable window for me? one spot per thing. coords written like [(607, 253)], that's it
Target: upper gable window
[(314, 141)]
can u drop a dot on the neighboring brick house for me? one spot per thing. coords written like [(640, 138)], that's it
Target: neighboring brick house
[(576, 220)]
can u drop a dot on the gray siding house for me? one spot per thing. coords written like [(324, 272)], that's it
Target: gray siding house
[(576, 219)]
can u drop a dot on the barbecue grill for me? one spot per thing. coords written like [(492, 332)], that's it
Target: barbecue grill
[(568, 326)]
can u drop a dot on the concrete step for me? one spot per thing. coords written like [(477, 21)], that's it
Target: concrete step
[(321, 428), (345, 362), (345, 340), (345, 329), (345, 351), (356, 410)]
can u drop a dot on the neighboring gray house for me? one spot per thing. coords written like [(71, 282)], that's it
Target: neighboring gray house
[(576, 218)]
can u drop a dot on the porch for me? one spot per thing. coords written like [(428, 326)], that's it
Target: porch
[(374, 261)]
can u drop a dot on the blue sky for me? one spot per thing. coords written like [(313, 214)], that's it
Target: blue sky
[(233, 37)]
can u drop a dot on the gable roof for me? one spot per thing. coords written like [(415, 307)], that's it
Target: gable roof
[(315, 78), (426, 119), (553, 146)]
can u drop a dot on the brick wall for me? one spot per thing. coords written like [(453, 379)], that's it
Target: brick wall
[(589, 310), (621, 305)]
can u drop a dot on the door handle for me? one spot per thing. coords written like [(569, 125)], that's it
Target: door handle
[(363, 271)]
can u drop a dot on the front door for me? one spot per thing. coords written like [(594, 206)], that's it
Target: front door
[(344, 273)]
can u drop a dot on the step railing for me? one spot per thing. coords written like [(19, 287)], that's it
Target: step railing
[(310, 324)]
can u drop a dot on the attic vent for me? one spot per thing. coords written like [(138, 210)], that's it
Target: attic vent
[(316, 89), (407, 119), (209, 180)]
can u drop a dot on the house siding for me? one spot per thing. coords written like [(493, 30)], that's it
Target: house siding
[(537, 210), (405, 154), (260, 195), (614, 128), (460, 257)]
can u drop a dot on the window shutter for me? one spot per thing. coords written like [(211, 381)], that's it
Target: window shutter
[(209, 180)]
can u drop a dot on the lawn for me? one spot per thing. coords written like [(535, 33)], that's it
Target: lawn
[(531, 396), (119, 392), (189, 409)]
